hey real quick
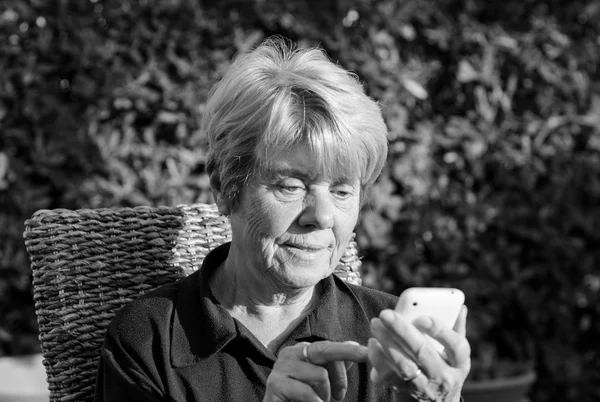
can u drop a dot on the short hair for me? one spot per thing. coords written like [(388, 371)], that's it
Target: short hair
[(277, 96)]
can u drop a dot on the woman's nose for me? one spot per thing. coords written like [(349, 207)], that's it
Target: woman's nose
[(318, 211)]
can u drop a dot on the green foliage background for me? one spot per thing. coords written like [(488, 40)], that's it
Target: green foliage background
[(493, 177)]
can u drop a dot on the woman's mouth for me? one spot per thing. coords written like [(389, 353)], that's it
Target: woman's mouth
[(306, 248)]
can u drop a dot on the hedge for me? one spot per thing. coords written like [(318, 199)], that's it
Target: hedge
[(493, 177)]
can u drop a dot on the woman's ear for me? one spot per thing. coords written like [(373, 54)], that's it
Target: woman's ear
[(218, 196)]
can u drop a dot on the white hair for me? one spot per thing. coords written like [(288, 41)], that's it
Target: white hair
[(278, 96)]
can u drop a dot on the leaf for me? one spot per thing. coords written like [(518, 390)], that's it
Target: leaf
[(466, 72), (415, 88), (3, 171), (168, 117), (506, 42)]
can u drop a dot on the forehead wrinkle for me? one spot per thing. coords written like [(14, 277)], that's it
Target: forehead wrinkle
[(288, 172), (274, 173), (330, 153)]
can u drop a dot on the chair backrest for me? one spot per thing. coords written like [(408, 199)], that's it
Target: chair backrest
[(88, 263)]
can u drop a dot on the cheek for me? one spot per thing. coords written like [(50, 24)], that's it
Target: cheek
[(344, 234), (345, 226), (260, 219)]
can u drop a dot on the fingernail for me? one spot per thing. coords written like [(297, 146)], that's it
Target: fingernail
[(340, 394), (425, 322), (374, 375), (388, 316)]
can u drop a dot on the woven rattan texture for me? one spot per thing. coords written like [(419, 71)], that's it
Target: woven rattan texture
[(88, 263)]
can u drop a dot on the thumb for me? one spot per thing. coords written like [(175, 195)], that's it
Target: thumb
[(460, 325)]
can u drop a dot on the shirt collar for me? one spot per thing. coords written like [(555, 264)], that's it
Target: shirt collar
[(202, 327)]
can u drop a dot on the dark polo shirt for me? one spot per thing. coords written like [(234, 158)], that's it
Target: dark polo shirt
[(179, 344)]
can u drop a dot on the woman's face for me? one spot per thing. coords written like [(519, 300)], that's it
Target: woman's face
[(292, 224)]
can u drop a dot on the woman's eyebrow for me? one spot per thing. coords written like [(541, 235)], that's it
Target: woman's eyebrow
[(287, 172), (275, 173), (344, 181)]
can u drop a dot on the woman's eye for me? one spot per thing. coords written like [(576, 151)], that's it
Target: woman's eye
[(290, 187), (342, 193)]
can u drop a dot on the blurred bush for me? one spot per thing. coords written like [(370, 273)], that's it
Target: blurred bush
[(493, 178)]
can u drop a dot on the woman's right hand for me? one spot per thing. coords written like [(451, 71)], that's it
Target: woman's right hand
[(313, 371)]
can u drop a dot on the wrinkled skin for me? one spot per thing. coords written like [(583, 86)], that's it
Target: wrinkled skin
[(399, 349)]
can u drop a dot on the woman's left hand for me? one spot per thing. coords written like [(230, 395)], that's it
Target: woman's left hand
[(403, 357)]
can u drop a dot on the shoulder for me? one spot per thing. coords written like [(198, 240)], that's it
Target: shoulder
[(371, 300), (148, 314)]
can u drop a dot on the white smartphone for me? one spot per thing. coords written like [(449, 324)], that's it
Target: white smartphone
[(442, 303)]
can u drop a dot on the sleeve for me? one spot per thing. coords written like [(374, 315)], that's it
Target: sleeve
[(122, 381)]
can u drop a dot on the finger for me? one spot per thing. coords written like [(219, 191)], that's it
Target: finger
[(292, 363), (402, 364), (323, 352), (460, 325), (281, 388), (402, 332), (338, 379), (389, 378), (332, 356), (420, 390), (456, 345), (297, 352), (316, 377), (349, 364), (327, 354), (382, 371), (378, 361), (418, 386), (413, 343)]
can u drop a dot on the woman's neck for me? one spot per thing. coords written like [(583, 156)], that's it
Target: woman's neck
[(268, 311)]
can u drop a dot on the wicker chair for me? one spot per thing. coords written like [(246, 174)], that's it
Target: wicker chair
[(88, 263)]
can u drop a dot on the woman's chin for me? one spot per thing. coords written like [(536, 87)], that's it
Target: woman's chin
[(303, 268), (303, 256), (300, 283), (303, 276)]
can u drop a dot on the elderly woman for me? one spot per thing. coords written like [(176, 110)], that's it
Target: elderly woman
[(294, 144)]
